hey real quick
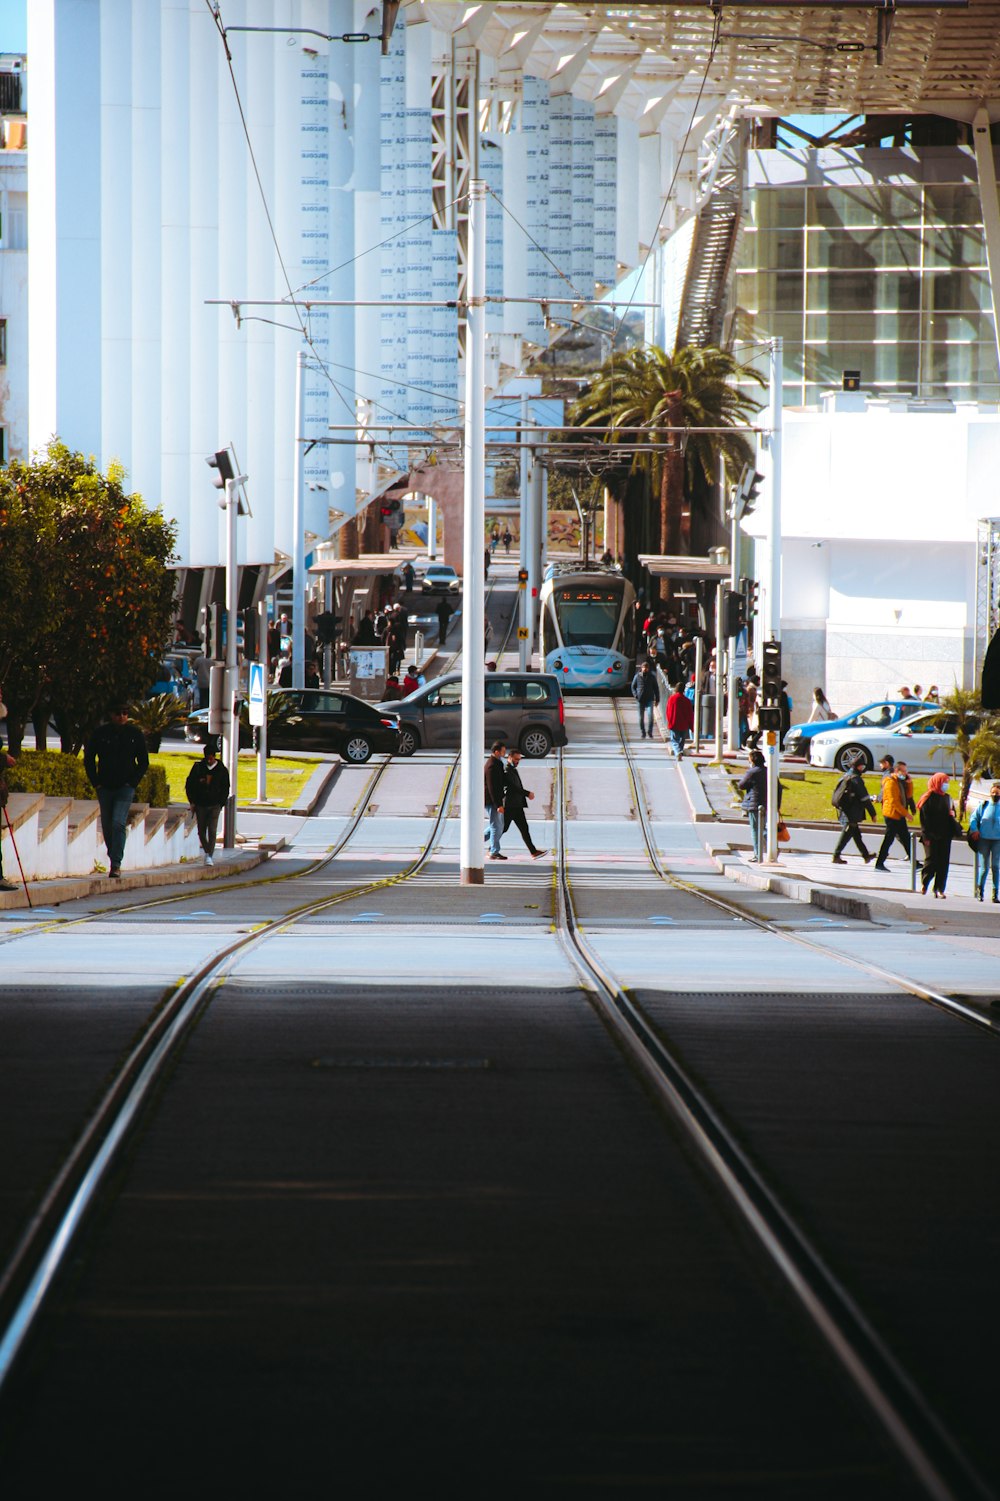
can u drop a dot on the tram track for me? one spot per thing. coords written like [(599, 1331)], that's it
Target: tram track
[(930, 1451), (50, 1235), (932, 997)]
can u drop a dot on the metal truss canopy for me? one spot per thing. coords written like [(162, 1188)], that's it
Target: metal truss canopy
[(647, 61)]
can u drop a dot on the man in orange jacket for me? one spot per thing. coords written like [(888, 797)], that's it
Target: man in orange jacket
[(896, 798)]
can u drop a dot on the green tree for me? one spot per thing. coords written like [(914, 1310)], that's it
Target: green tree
[(972, 733), (689, 390), (88, 591)]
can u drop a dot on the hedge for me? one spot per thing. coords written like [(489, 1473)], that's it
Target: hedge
[(58, 775)]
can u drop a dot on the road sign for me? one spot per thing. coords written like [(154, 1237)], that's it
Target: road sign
[(522, 633), (257, 693)]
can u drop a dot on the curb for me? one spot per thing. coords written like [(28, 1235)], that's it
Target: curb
[(73, 888)]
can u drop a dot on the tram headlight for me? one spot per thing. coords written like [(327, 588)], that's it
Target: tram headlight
[(557, 664), (616, 667)]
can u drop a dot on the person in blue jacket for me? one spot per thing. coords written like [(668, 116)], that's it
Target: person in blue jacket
[(985, 824)]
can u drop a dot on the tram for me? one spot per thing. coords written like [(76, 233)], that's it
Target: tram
[(586, 628)]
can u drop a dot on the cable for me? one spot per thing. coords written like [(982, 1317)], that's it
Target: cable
[(414, 223), (527, 233)]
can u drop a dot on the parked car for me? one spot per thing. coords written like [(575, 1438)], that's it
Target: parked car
[(440, 579), (525, 709), (315, 719), (171, 679), (876, 716), (925, 741)]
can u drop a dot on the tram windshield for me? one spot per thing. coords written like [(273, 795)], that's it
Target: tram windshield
[(587, 614)]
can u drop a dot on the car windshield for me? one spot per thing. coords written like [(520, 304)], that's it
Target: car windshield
[(444, 573)]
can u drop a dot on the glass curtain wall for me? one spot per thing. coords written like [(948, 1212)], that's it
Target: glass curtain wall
[(888, 280)]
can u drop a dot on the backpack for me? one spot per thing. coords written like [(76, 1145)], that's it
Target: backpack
[(839, 792)]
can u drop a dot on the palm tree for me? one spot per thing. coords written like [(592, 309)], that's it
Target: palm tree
[(672, 397), (974, 734)]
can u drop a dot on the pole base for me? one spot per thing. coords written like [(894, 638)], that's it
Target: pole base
[(472, 875)]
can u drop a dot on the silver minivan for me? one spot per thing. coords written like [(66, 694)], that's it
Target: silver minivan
[(524, 709)]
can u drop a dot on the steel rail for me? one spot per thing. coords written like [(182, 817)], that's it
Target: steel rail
[(925, 993), (928, 1449), (49, 1237), (60, 925)]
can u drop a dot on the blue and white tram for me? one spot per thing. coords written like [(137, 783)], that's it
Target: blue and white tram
[(587, 629)]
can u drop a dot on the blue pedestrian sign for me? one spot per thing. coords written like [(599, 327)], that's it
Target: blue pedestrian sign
[(257, 693)]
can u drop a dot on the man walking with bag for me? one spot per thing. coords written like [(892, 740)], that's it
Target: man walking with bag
[(852, 801), (515, 801)]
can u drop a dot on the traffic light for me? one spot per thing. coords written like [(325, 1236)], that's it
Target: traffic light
[(221, 464), (241, 634), (522, 578), (770, 678), (747, 491), (734, 613), (215, 646), (750, 589)]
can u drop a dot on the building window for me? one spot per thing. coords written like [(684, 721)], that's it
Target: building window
[(3, 341), (3, 446)]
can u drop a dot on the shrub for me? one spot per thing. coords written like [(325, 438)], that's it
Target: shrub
[(58, 775)]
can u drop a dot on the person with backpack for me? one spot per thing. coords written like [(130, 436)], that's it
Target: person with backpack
[(984, 836), (853, 802)]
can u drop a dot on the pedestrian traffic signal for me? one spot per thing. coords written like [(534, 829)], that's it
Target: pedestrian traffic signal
[(770, 678), (746, 494), (223, 468), (734, 613), (522, 577), (750, 589)]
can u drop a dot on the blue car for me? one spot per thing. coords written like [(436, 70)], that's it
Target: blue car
[(879, 715)]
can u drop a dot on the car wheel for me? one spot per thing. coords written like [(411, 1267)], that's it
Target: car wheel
[(536, 742), (850, 753), (409, 741), (357, 749)]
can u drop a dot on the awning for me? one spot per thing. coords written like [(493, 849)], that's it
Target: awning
[(663, 566)]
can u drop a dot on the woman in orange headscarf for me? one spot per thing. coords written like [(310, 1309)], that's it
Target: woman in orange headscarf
[(938, 827)]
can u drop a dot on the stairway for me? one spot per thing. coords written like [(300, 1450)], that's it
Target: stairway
[(703, 301)]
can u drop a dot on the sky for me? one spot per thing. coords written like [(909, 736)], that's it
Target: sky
[(13, 25)]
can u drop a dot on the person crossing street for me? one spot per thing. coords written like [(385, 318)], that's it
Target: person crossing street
[(515, 801), (494, 786)]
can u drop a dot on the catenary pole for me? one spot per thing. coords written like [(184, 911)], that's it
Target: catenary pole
[(262, 657), (523, 596), (772, 600), (473, 603), (299, 532), (231, 749)]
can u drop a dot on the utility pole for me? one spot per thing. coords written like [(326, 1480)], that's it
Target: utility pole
[(298, 532), (226, 478), (523, 598), (473, 603), (772, 598)]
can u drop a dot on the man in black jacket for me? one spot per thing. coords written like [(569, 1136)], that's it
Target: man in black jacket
[(852, 801), (515, 800), (207, 789), (116, 760), (646, 692), (494, 784)]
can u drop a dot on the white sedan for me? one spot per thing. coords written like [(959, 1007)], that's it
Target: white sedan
[(440, 579), (925, 741)]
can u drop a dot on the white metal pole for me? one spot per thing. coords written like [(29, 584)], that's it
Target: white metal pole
[(473, 603), (772, 599), (432, 527), (231, 748), (298, 532), (523, 594), (733, 714), (720, 590), (262, 731), (698, 649), (990, 202)]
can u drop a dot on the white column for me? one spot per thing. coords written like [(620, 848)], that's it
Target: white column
[(147, 253), (116, 239), (208, 423), (473, 603), (298, 533), (772, 600), (173, 455), (986, 167)]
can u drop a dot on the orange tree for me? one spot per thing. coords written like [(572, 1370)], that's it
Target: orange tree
[(87, 589)]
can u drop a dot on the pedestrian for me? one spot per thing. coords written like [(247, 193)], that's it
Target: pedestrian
[(410, 682), (365, 633), (646, 692), (283, 677), (853, 803), (753, 785), (495, 536), (749, 726), (918, 692), (984, 836), (203, 678), (392, 692), (896, 798), (933, 695), (116, 760), (395, 640), (444, 619), (507, 540), (207, 789), (904, 693), (408, 576), (486, 566), (494, 781), (938, 827), (785, 707), (680, 720), (516, 798), (5, 762), (821, 710)]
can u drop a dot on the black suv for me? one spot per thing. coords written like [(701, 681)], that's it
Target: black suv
[(320, 719)]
